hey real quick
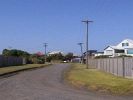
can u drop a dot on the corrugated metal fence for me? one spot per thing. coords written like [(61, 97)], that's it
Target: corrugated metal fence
[(10, 61), (117, 66)]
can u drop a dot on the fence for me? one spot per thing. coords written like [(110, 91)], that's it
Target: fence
[(117, 66), (10, 61)]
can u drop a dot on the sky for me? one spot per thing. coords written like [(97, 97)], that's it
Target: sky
[(27, 24)]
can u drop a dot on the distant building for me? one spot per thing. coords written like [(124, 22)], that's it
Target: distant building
[(123, 48), (76, 60), (55, 52), (91, 53), (99, 54)]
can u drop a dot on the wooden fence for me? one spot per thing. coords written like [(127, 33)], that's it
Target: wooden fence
[(10, 61), (117, 66)]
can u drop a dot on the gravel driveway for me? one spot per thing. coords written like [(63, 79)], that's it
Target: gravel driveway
[(46, 84)]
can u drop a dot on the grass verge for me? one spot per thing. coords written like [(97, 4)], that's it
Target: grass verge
[(12, 69), (96, 80)]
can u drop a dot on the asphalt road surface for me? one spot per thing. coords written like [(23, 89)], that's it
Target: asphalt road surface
[(46, 84)]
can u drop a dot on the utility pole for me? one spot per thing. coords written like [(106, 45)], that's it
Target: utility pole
[(80, 44), (87, 22), (45, 45)]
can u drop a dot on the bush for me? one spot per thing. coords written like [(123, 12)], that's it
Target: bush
[(124, 56), (36, 59), (102, 56)]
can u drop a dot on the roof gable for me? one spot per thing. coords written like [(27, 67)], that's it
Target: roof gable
[(129, 41), (113, 47), (108, 47)]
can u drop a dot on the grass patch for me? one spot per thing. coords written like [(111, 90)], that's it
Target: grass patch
[(94, 79), (11, 69)]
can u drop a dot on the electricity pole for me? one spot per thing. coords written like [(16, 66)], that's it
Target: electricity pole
[(45, 45), (80, 44), (87, 22)]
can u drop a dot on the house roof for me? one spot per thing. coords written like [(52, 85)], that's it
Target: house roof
[(114, 47), (129, 40)]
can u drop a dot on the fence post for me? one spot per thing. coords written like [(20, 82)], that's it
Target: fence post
[(109, 65), (117, 67), (113, 66), (123, 66), (106, 64)]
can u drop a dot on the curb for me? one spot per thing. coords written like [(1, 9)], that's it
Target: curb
[(8, 74)]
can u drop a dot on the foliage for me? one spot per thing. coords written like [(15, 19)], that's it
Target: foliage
[(124, 56), (15, 52), (101, 56), (30, 58), (55, 57), (37, 59), (49, 58), (68, 56), (60, 57)]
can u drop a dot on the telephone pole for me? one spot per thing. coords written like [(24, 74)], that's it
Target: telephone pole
[(80, 44), (87, 22), (45, 45)]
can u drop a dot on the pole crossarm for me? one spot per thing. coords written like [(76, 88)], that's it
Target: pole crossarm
[(87, 21)]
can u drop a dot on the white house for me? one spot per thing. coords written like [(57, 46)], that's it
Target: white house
[(98, 54), (123, 48), (55, 52)]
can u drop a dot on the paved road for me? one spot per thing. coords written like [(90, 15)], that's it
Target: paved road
[(46, 84)]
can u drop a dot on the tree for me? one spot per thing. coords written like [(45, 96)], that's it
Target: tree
[(37, 59), (68, 56), (6, 52), (15, 52), (53, 57)]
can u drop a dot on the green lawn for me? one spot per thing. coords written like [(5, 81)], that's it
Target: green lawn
[(94, 79), (10, 69)]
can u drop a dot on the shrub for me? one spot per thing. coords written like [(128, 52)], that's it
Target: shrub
[(102, 56)]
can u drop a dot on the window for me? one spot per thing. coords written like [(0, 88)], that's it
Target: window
[(125, 44), (119, 51), (130, 51)]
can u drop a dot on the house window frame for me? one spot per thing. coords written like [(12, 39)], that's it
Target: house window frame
[(125, 44)]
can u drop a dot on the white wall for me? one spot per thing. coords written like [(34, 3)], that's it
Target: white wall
[(98, 54), (109, 51)]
